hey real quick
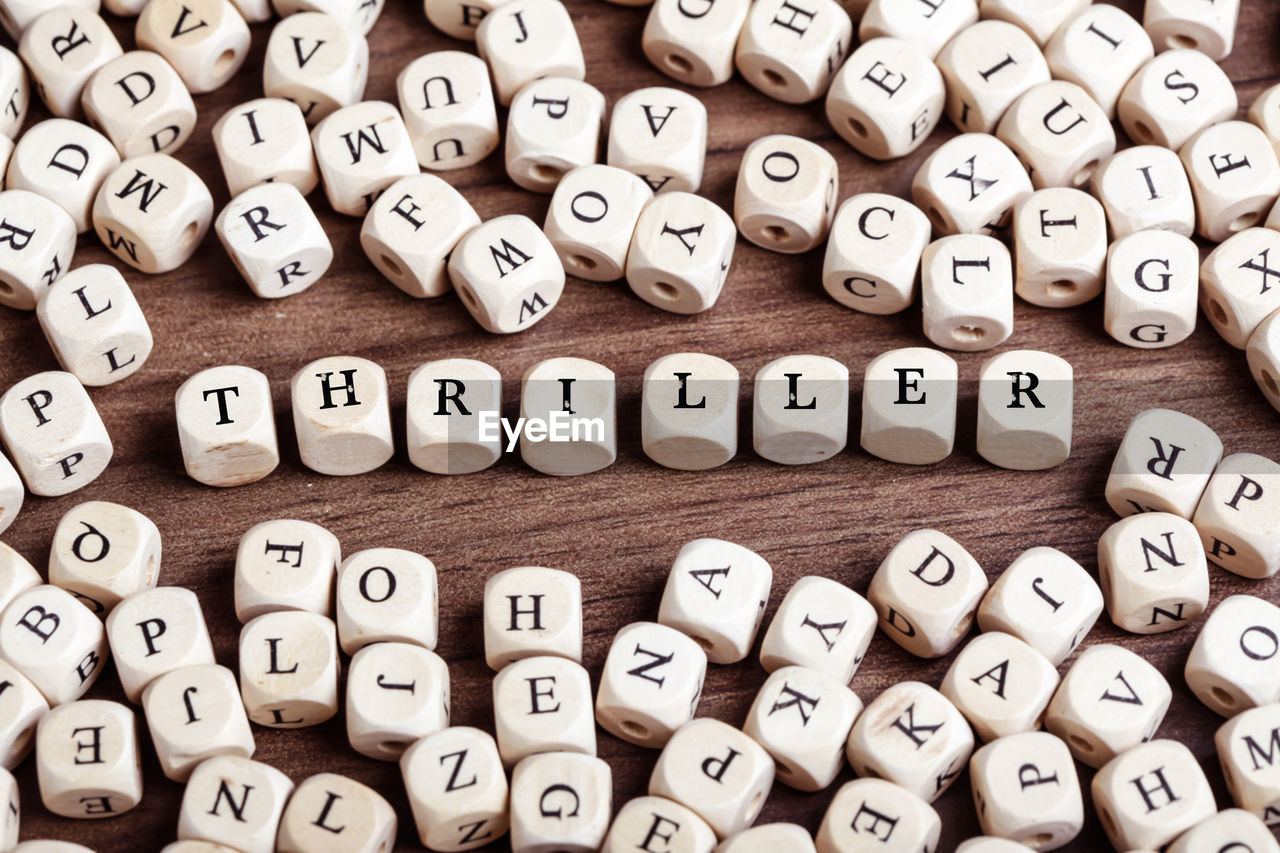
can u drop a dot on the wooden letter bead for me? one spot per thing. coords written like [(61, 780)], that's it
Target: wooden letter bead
[(226, 426), (986, 68), (315, 61), (459, 18), (1099, 49), (64, 48), (886, 99), (660, 134), (1001, 685), (786, 194), (289, 669), (275, 240), (553, 126), (81, 160), (1239, 829), (543, 704), (396, 694), (689, 411), (87, 760), (525, 40), (265, 140), (1109, 701), (1185, 24), (386, 595), (872, 814), (654, 820), (1239, 516), (694, 43), (1231, 667), (1264, 358), (873, 253), (801, 411), (1234, 175), (1060, 246), (154, 632), (140, 103), (650, 684), (1151, 290), (285, 565), (1264, 112), (1145, 187), (970, 185), (1153, 573), (680, 254), (1025, 789), (820, 624), (393, 234), (444, 412), (966, 292), (716, 593), (507, 274), (342, 415), (717, 771), (361, 150), (1025, 408), (1059, 133), (807, 757), (926, 592), (1148, 796), (13, 81), (447, 104), (769, 837), (37, 242), (54, 434), (1038, 20), (457, 789), (194, 713), (356, 15), (1248, 762), (206, 41), (575, 400), (1175, 96), (95, 326), (912, 736), (909, 399), (332, 812), (1163, 464), (232, 800), (152, 213), (928, 25), (21, 708), (560, 802), (253, 11), (1236, 289), (1046, 599), (790, 50), (592, 219), (17, 15), (532, 611)]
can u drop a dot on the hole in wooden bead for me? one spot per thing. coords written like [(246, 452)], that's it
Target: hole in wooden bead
[(703, 642), (1108, 822), (856, 126), (5, 287), (968, 335), (666, 291), (549, 174), (223, 63), (392, 267), (1142, 131), (582, 262), (783, 769), (1218, 313), (1183, 42), (1269, 382), (757, 802), (935, 216), (468, 298), (967, 622), (776, 233), (1062, 288), (189, 234), (635, 730), (1083, 176), (1035, 842), (678, 63), (1243, 221), (1223, 696), (1080, 744), (773, 78), (393, 747)]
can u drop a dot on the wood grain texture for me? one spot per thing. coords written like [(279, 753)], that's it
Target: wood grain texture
[(618, 529)]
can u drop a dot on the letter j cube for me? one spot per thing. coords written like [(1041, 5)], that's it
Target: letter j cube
[(717, 593)]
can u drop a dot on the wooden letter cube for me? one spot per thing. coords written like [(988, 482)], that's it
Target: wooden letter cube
[(17, 15), (206, 41), (1153, 573), (1231, 667), (356, 15), (447, 104), (1239, 518), (966, 292), (154, 632), (1060, 247), (1046, 599), (342, 415), (543, 704), (1109, 701), (396, 694), (1145, 187), (15, 94), (1245, 746), (315, 61), (789, 49), (87, 760), (194, 713), (459, 18), (592, 219), (659, 134), (716, 593), (63, 48), (457, 789), (152, 213), (531, 611), (801, 412), (820, 624), (886, 99), (680, 254), (650, 684), (928, 24), (717, 771), (265, 140), (1264, 112), (332, 812), (232, 800), (1240, 829), (909, 399), (94, 325), (275, 240), (140, 103), (807, 757), (872, 814), (1040, 20), (525, 40), (1148, 796), (873, 253), (1001, 685), (1163, 464), (1059, 133), (54, 434), (689, 411), (1025, 789), (21, 708), (1175, 96), (289, 669), (970, 185), (1234, 175), (553, 126), (1263, 353), (37, 242), (55, 641), (654, 820), (986, 68), (1236, 291), (507, 274), (285, 565), (560, 802), (1184, 24), (694, 42), (361, 150), (1099, 49), (445, 416), (411, 229), (1025, 407), (768, 837), (386, 595), (912, 736), (81, 160), (226, 426), (1152, 285), (786, 194)]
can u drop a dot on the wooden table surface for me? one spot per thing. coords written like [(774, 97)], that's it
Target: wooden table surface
[(618, 529)]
